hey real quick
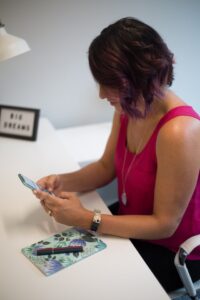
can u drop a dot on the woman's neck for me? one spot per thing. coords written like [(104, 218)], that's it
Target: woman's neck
[(162, 105)]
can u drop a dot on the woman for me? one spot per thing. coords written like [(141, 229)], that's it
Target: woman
[(153, 150)]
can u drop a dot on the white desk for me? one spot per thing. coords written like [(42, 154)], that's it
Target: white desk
[(118, 272)]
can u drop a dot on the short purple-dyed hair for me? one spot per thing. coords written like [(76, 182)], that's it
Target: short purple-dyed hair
[(130, 56)]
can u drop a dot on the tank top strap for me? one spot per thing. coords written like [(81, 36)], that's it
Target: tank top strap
[(176, 112), (184, 110)]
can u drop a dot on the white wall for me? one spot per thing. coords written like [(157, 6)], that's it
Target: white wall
[(55, 75)]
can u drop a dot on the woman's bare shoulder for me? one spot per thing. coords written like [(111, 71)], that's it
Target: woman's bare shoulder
[(180, 135)]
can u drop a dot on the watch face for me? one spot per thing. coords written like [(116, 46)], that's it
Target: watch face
[(96, 220)]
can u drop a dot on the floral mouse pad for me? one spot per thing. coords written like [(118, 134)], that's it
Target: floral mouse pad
[(51, 263)]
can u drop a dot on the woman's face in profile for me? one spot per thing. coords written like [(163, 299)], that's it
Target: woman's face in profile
[(111, 95)]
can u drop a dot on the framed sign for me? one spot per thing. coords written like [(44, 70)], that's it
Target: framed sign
[(19, 122)]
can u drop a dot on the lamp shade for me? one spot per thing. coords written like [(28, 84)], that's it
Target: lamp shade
[(11, 45)]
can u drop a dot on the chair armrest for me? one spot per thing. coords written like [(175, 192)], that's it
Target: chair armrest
[(190, 244), (184, 250)]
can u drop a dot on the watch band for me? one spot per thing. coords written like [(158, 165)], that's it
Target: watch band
[(96, 220)]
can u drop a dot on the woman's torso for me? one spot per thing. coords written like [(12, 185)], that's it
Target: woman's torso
[(139, 180)]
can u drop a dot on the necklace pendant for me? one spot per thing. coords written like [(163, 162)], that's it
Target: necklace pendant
[(124, 198)]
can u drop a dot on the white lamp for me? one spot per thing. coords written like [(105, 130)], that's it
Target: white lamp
[(11, 45)]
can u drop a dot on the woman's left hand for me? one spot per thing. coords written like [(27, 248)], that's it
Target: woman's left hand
[(66, 208)]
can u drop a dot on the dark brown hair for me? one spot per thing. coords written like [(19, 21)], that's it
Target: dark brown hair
[(130, 56)]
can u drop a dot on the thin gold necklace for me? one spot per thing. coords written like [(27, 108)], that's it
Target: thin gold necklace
[(124, 176)]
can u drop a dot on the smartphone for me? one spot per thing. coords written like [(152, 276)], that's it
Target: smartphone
[(31, 184)]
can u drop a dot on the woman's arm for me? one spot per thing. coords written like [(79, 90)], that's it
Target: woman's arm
[(178, 158)]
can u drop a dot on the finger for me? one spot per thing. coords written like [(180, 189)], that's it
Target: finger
[(46, 182), (42, 183), (41, 195), (52, 182), (50, 213), (47, 210), (37, 194), (51, 201), (42, 202), (66, 195)]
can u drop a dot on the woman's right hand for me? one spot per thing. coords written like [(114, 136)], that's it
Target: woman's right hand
[(52, 183)]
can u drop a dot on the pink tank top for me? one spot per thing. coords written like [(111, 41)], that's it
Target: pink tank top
[(140, 182)]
